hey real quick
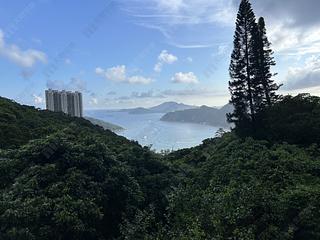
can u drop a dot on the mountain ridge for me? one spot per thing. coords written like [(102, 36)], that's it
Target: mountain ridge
[(165, 107), (202, 115)]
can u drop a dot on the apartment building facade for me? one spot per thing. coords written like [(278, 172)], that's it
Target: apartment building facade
[(64, 101)]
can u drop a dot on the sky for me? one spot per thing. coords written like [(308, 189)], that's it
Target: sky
[(130, 53)]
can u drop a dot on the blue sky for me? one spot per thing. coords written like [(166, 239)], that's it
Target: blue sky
[(144, 52)]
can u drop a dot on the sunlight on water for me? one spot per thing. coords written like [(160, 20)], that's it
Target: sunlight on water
[(148, 130)]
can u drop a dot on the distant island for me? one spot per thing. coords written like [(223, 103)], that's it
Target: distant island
[(105, 125), (202, 115), (162, 108)]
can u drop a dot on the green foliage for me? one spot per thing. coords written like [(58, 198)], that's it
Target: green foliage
[(64, 178), (242, 67), (295, 120), (247, 189), (264, 60), (251, 86)]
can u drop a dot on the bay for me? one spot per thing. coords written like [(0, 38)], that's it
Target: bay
[(148, 130)]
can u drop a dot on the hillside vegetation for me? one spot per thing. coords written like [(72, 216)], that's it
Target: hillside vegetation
[(246, 189), (64, 178), (294, 120)]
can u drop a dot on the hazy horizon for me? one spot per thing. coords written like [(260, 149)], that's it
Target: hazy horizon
[(126, 54)]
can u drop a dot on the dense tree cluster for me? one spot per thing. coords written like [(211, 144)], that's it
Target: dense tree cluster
[(294, 120), (246, 189), (252, 87), (64, 178)]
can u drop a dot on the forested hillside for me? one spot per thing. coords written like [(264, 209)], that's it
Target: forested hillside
[(64, 178), (246, 189)]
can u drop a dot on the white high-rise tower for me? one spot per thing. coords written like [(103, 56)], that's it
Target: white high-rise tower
[(63, 101)]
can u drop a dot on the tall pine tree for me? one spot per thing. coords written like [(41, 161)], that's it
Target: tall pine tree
[(251, 86), (242, 67), (264, 60)]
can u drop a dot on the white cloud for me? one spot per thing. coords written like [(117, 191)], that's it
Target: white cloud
[(24, 58), (188, 78), (164, 58), (99, 71), (294, 41), (158, 67), (304, 77), (184, 12), (94, 101), (37, 99), (116, 74), (119, 74), (293, 25), (189, 59), (139, 80), (167, 58)]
